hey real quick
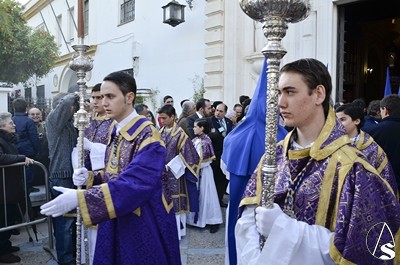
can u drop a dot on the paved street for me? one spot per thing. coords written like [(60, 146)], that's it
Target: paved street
[(199, 247)]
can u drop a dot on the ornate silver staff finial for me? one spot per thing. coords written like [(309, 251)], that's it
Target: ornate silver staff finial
[(274, 14), (81, 64)]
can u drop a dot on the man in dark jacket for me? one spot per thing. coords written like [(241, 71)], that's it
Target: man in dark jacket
[(13, 179), (28, 138), (386, 133)]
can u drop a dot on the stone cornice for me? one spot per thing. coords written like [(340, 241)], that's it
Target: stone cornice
[(66, 58), (36, 8)]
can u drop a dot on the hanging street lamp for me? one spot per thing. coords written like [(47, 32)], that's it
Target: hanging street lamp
[(174, 13)]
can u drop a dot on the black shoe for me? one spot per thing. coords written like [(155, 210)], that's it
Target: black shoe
[(9, 258), (15, 232), (14, 249), (223, 205), (214, 229)]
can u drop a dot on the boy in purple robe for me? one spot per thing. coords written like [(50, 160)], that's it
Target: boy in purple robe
[(125, 200), (352, 118), (182, 168), (331, 206)]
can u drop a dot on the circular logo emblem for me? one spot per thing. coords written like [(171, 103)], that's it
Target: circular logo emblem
[(380, 242)]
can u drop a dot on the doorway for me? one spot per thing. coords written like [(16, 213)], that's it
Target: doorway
[(368, 45)]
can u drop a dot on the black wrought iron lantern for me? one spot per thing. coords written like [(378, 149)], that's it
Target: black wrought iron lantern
[(174, 13)]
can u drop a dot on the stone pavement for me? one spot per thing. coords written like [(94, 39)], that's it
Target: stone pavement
[(199, 247)]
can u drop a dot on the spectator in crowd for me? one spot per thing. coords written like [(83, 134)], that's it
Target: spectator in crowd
[(203, 110), (152, 119), (141, 109), (386, 133), (13, 178), (62, 137), (242, 99), (188, 109), (324, 187), (182, 168), (373, 115), (28, 138), (220, 128), (183, 101), (43, 156), (168, 100), (360, 102), (238, 108), (231, 114), (134, 225)]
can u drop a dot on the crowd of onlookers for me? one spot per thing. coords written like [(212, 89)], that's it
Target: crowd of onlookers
[(203, 125)]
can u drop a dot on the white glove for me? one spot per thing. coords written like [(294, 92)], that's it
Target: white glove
[(80, 176), (64, 203), (87, 145), (265, 218)]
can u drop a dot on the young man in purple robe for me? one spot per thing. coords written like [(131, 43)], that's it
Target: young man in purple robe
[(331, 206), (125, 200), (182, 168)]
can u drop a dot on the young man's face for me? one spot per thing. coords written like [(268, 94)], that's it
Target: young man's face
[(295, 103), (169, 101), (116, 105), (167, 121), (97, 102), (207, 109)]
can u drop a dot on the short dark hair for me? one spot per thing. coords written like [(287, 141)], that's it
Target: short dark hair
[(392, 104), (374, 107), (183, 101), (96, 87), (167, 109), (354, 111), (314, 73), (216, 103), (201, 103), (140, 107), (125, 82), (242, 98), (237, 105), (166, 98), (225, 106), (20, 105), (203, 122)]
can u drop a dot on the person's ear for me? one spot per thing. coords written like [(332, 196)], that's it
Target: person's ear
[(130, 97), (320, 93), (357, 122)]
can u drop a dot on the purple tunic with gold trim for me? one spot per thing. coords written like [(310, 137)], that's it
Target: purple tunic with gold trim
[(376, 157), (183, 190), (126, 201), (339, 190), (97, 132)]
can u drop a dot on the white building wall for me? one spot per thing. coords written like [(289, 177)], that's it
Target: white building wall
[(169, 58), (217, 41)]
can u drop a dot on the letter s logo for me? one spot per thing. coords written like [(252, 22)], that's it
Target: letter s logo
[(387, 249), (380, 242)]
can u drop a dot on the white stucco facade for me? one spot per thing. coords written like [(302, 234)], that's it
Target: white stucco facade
[(217, 41)]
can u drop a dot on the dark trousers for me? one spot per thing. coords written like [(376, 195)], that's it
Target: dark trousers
[(219, 178), (12, 214)]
